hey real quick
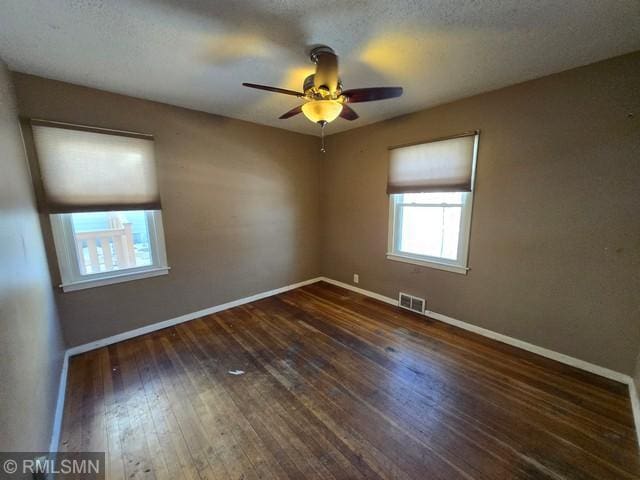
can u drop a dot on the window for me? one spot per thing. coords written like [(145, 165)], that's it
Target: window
[(101, 192), (99, 248), (431, 196), (431, 228)]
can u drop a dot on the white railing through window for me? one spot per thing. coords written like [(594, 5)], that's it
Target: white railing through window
[(106, 250)]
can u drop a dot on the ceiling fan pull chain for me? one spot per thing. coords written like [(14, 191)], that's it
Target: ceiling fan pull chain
[(322, 137)]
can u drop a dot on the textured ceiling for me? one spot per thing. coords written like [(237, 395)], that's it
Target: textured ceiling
[(196, 53)]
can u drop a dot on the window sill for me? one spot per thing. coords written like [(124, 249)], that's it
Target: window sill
[(427, 263), (119, 278)]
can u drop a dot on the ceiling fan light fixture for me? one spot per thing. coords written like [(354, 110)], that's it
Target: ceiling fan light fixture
[(322, 111)]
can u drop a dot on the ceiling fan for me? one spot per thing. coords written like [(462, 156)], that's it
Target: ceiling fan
[(323, 95)]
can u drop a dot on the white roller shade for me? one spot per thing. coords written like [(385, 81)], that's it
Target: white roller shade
[(83, 169), (437, 166)]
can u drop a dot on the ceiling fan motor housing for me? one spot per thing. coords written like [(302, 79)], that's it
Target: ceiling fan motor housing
[(326, 79), (309, 85)]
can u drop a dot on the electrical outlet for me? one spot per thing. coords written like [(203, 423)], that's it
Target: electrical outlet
[(356, 278)]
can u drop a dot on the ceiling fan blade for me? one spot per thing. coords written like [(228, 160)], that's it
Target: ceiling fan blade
[(370, 94), (291, 113), (348, 113), (274, 89)]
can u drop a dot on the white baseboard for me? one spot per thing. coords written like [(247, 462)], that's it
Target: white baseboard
[(634, 394), (560, 357), (57, 420), (182, 318), (553, 355), (362, 291), (57, 417)]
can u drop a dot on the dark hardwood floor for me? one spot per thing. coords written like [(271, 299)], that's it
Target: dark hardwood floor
[(338, 385)]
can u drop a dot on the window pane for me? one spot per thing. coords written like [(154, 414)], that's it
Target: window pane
[(451, 232), (422, 230), (107, 241), (431, 231), (433, 197)]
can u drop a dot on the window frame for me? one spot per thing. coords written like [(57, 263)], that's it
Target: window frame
[(461, 264), (66, 253)]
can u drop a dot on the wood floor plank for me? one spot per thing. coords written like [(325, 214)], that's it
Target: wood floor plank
[(175, 450), (448, 360), (301, 420), (232, 409), (355, 380), (617, 453), (610, 443), (339, 386), (471, 347), (483, 350), (243, 389), (322, 406), (394, 400), (185, 405), (137, 461)]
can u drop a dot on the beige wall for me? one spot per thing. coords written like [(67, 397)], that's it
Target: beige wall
[(240, 208), (31, 348), (555, 242)]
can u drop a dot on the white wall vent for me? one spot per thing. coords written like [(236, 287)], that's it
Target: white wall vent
[(415, 304)]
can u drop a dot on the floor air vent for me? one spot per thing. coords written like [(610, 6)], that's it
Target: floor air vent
[(412, 303)]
